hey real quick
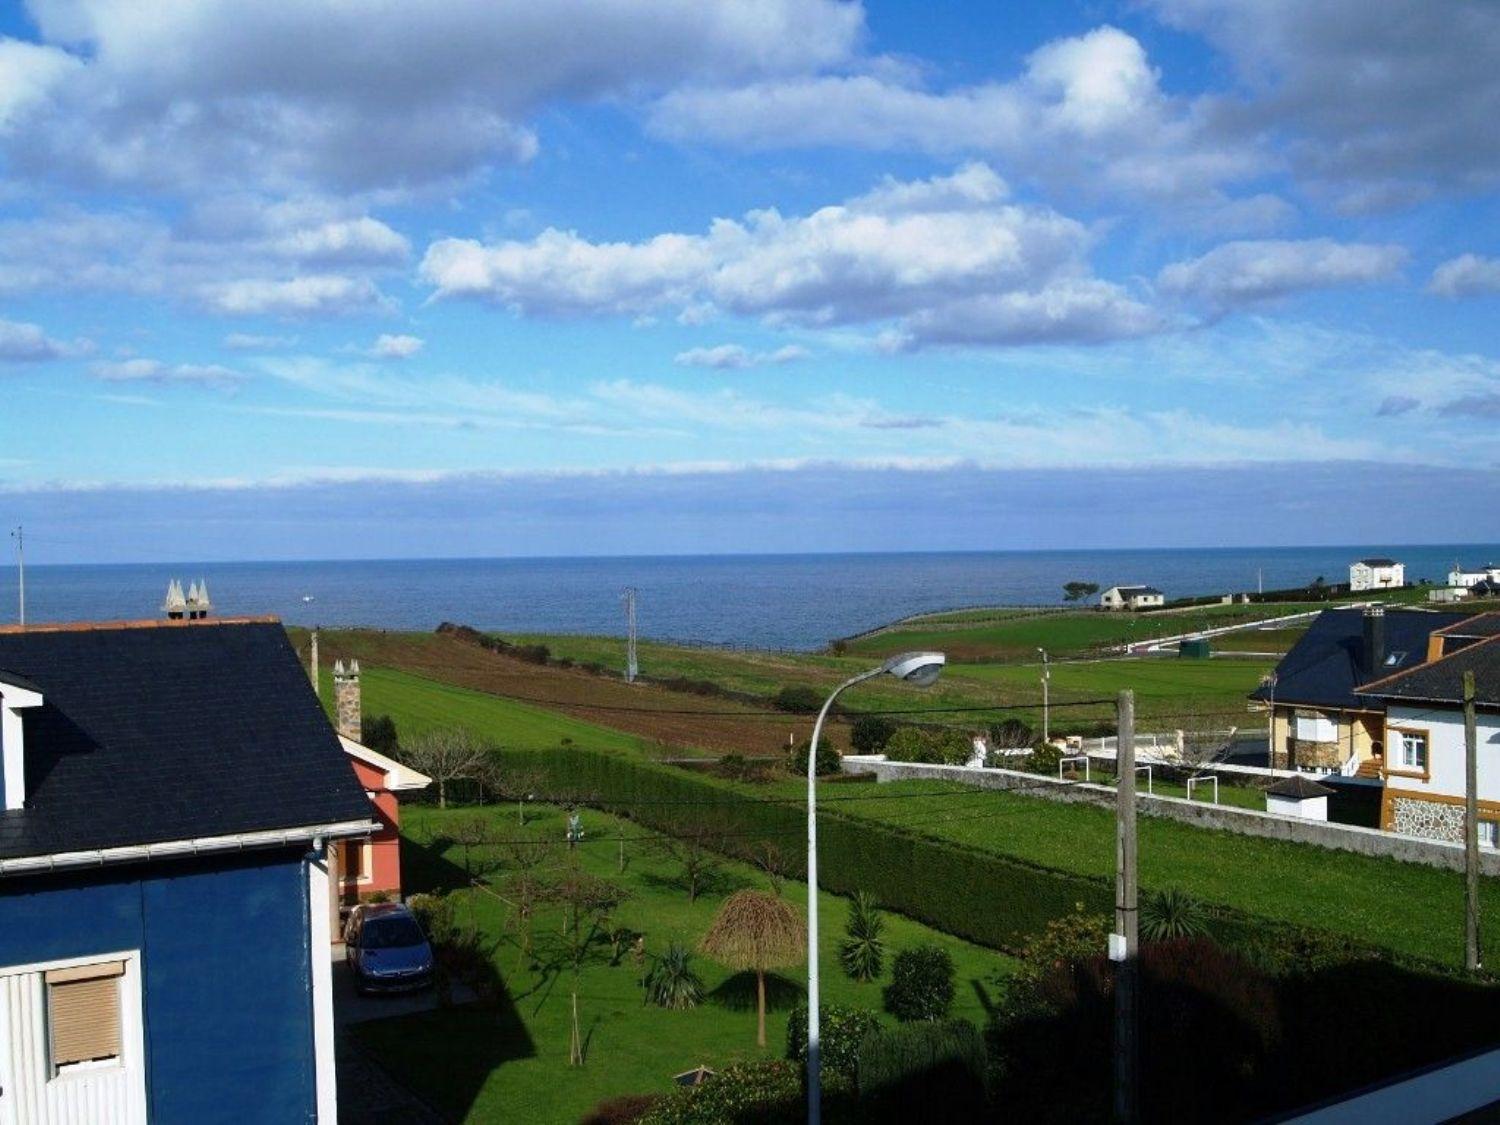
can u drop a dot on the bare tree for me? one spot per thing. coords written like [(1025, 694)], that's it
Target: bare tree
[(527, 885), (507, 781), (693, 852), (588, 901), (773, 861), (445, 755)]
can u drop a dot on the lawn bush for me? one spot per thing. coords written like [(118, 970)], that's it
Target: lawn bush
[(862, 951), (623, 1109), (841, 1030), (870, 734), (672, 982), (1008, 734), (829, 761), (1170, 914), (742, 1094), (378, 732), (799, 699), (904, 1072), (938, 747), (921, 985)]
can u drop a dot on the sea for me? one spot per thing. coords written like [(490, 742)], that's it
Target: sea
[(794, 602)]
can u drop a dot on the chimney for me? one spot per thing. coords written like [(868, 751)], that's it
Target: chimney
[(312, 664), (175, 606), (346, 699), (1374, 638)]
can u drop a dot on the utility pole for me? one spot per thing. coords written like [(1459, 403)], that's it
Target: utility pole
[(1471, 829), (1125, 941), (1046, 677), (1271, 721), (630, 662), (19, 535)]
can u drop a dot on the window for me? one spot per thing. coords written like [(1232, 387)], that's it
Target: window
[(1412, 750), (1489, 834), (1316, 728), (356, 861), (83, 1014)]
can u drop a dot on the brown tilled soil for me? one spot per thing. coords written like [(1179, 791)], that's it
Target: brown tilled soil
[(682, 722)]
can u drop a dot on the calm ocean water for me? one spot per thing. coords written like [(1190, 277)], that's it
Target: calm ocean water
[(780, 601)]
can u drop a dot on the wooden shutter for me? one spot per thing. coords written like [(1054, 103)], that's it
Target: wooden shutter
[(83, 1012)]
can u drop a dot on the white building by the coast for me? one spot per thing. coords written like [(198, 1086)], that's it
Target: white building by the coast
[(1377, 574)]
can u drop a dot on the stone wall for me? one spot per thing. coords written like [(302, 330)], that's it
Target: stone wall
[(1227, 818), (1432, 820)]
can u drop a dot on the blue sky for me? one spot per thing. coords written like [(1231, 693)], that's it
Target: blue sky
[(301, 279)]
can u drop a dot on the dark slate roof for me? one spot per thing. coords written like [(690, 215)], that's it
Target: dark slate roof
[(1137, 589), (150, 733), (1298, 786), (1477, 627), (1378, 562), (1441, 681), (1326, 665)]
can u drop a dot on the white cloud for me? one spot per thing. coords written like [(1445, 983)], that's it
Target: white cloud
[(911, 253), (385, 94), (388, 346), (309, 295), (348, 241), (28, 71), (1466, 276), (736, 357), (1238, 273), (1088, 111), (21, 342), (250, 342), (142, 370)]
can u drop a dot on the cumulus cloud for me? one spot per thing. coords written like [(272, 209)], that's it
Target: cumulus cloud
[(21, 342), (1380, 111), (306, 296), (1466, 276), (389, 346), (141, 370), (378, 95), (251, 342), (734, 356), (1474, 406), (1088, 110), (1239, 273), (1393, 406), (923, 255)]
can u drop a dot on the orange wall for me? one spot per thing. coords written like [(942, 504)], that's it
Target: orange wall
[(384, 845)]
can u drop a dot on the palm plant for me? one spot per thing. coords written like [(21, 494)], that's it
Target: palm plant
[(671, 982), (862, 952), (1170, 914)]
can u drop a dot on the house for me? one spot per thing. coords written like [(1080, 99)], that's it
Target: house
[(369, 868), (1319, 718), (1376, 574), (1458, 576), (1131, 597), (1425, 767), (171, 791)]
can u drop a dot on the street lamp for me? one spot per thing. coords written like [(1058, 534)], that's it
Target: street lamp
[(1046, 677), (920, 669)]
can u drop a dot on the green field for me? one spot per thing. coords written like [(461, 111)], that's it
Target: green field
[(483, 1066)]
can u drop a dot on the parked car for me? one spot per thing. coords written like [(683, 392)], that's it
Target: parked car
[(386, 949)]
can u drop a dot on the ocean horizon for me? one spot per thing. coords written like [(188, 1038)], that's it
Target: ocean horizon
[(772, 601)]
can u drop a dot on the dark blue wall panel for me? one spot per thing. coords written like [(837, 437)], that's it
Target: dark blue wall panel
[(227, 980)]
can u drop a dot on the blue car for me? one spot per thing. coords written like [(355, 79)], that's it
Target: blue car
[(386, 949)]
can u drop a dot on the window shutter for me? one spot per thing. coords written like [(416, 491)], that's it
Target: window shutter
[(83, 1012)]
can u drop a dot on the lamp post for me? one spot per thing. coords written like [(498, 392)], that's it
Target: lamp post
[(922, 670), (1046, 678)]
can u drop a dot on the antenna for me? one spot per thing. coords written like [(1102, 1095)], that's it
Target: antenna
[(19, 535), (630, 664)]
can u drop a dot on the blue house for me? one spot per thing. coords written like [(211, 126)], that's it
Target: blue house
[(170, 791)]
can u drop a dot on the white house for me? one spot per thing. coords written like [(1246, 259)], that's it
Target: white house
[(1376, 574), (1131, 597), (1468, 579), (1424, 768)]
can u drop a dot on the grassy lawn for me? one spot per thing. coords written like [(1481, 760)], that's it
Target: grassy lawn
[(1405, 907), (511, 1064)]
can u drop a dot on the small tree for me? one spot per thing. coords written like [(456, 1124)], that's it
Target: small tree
[(774, 861), (445, 755), (588, 902), (829, 759), (870, 733), (758, 932), (672, 983), (800, 699), (471, 832), (921, 985), (862, 952), (693, 852), (1077, 591), (378, 732), (527, 886)]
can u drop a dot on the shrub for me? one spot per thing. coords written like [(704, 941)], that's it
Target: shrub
[(769, 1091), (841, 1030), (1170, 914), (378, 732), (862, 952), (1010, 733), (732, 766), (623, 1109), (671, 982), (903, 1072), (799, 699), (870, 733), (937, 747), (921, 985), (1044, 758), (437, 916), (829, 760)]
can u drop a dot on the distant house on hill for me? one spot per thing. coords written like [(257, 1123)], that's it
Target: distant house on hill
[(1131, 597), (171, 795), (1376, 574)]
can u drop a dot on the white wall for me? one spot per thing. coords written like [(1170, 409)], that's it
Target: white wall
[(1445, 750)]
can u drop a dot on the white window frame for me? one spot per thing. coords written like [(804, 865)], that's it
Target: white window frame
[(132, 1046), (1489, 833), (1404, 758)]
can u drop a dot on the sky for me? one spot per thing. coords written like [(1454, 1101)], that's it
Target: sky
[(289, 278)]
